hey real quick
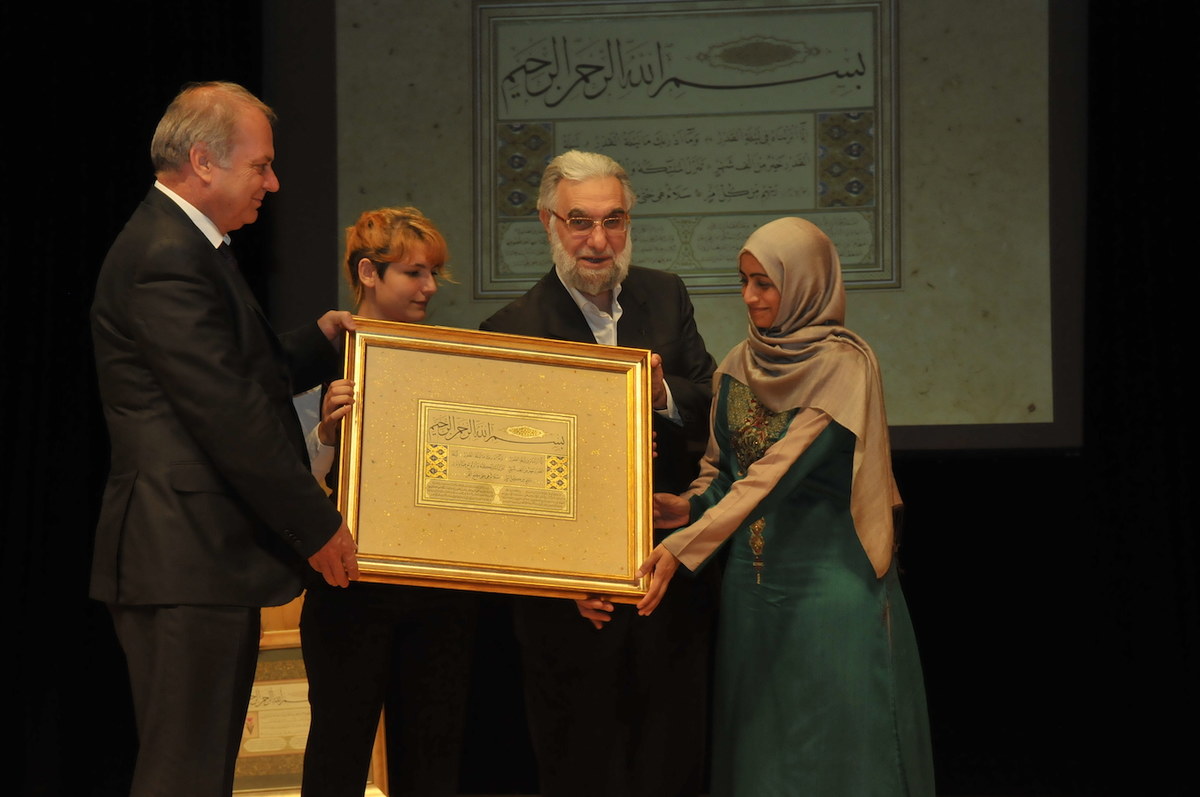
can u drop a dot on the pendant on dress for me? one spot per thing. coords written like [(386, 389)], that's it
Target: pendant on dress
[(756, 545)]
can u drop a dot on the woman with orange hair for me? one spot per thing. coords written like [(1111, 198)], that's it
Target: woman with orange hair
[(374, 644)]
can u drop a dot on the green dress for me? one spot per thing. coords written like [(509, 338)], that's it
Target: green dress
[(818, 687)]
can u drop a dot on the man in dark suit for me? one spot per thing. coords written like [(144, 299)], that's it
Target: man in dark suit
[(210, 510), (617, 703)]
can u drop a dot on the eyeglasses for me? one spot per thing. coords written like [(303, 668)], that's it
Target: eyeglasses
[(583, 225)]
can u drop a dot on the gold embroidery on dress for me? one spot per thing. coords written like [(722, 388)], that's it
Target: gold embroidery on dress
[(752, 430), (752, 427), (756, 545)]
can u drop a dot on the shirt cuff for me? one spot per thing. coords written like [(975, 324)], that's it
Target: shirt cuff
[(671, 411)]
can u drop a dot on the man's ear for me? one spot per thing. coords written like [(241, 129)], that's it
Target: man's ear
[(544, 216), (368, 275), (201, 162)]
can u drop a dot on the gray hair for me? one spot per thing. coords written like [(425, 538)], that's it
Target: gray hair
[(575, 165), (201, 113)]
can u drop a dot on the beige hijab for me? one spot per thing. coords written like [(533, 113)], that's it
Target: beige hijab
[(808, 359)]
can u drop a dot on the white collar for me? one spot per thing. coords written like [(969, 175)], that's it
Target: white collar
[(204, 223)]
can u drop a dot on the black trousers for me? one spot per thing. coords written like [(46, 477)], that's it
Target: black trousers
[(620, 711), (374, 645), (191, 669)]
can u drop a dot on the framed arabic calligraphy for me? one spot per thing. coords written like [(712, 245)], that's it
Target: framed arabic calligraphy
[(726, 115), (482, 461)]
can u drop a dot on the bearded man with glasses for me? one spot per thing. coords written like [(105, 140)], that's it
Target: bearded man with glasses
[(611, 697)]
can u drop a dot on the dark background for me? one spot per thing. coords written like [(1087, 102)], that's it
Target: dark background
[(1053, 591)]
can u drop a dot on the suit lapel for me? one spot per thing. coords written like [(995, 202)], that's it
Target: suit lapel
[(562, 317), (230, 274), (634, 328), (226, 264)]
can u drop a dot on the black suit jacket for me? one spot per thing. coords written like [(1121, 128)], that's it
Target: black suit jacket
[(209, 498), (656, 314)]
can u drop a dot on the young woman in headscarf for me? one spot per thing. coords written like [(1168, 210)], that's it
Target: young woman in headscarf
[(818, 684)]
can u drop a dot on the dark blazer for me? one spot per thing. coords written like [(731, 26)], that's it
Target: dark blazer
[(583, 683), (209, 498), (656, 314)]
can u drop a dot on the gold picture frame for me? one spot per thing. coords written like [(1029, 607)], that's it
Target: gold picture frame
[(271, 758), (502, 463)]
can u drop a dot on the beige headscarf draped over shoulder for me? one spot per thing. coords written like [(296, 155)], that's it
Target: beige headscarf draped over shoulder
[(808, 359)]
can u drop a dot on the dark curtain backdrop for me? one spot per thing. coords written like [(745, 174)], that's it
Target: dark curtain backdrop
[(1054, 592)]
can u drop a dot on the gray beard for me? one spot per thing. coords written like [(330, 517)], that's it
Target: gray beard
[(591, 282)]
